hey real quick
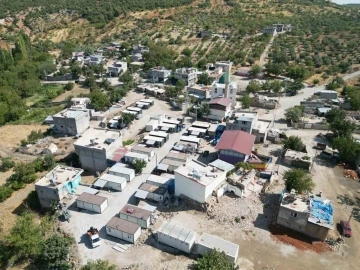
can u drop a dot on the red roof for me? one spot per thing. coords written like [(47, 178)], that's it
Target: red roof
[(221, 101), (236, 140)]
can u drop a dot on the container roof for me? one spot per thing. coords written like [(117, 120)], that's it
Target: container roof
[(123, 225), (91, 198), (214, 242), (136, 212)]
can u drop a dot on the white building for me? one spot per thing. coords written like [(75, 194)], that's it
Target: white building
[(111, 181), (189, 75), (160, 74), (208, 242), (244, 121), (58, 184), (136, 215), (92, 202), (220, 108), (197, 180), (130, 157), (122, 171), (176, 236), (218, 90), (96, 146), (122, 229), (71, 122)]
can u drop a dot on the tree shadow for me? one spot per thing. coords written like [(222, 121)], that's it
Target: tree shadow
[(353, 204)]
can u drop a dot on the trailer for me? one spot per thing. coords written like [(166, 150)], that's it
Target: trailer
[(191, 139), (201, 132), (134, 109), (148, 101), (149, 151), (142, 105), (160, 134), (136, 114), (130, 157), (91, 202), (152, 125), (113, 182), (154, 141), (167, 127), (123, 229), (201, 124), (121, 171)]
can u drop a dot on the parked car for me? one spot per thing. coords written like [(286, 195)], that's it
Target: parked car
[(345, 228)]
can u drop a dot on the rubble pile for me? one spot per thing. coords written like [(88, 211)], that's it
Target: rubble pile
[(335, 244), (350, 174), (235, 212)]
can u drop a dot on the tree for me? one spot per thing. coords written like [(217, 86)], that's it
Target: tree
[(294, 143), (255, 70), (214, 260), (274, 68), (180, 85), (299, 180), (275, 86), (246, 101), (139, 165), (352, 94), (186, 52), (99, 265), (172, 92), (48, 162), (342, 128), (347, 147), (244, 165), (99, 100), (253, 86), (24, 240), (34, 136), (335, 114), (54, 254), (127, 118), (7, 163), (294, 114), (69, 86), (315, 81), (298, 72), (204, 79), (205, 109)]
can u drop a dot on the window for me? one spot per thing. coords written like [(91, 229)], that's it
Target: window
[(294, 215), (215, 90), (244, 122), (109, 229)]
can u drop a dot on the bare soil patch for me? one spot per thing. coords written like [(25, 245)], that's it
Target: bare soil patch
[(75, 92), (11, 135)]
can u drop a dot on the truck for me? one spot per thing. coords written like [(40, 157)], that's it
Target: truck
[(93, 235)]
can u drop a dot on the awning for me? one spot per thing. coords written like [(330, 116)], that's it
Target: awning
[(150, 142), (164, 129), (162, 167), (141, 194), (92, 191), (100, 183)]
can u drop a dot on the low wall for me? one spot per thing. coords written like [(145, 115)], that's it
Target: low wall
[(317, 126)]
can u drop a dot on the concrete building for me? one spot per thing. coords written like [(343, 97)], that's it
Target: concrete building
[(79, 103), (117, 68), (297, 159), (209, 242), (189, 75), (71, 122), (159, 74), (197, 180), (95, 148), (154, 193), (199, 91), (176, 236), (122, 229), (136, 215), (308, 214), (57, 184), (119, 170), (92, 202), (235, 146), (244, 121), (111, 181), (323, 111), (138, 48), (220, 108)]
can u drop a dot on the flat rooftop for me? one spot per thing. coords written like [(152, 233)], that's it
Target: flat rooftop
[(132, 210), (112, 178), (199, 172), (97, 138), (59, 175), (177, 232), (123, 225), (153, 189), (245, 116), (91, 198), (121, 169), (201, 124), (214, 242), (177, 156), (171, 162), (70, 113), (163, 179), (295, 202), (262, 125), (142, 149)]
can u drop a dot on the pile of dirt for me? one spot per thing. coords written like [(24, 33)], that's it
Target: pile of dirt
[(235, 212), (298, 240), (348, 172)]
